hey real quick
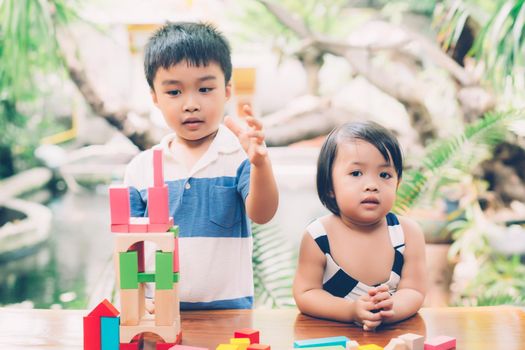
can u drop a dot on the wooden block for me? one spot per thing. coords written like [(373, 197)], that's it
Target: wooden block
[(352, 345), (227, 347), (186, 347), (163, 270), (396, 344), (370, 347), (161, 227), (441, 342), (91, 333), (170, 334), (330, 341), (158, 169), (164, 346), (129, 300), (104, 308), (164, 307), (413, 341), (175, 254), (142, 300), (128, 270), (326, 348), (176, 277), (119, 205), (249, 333), (259, 347), (175, 231), (164, 241), (146, 277), (139, 248), (242, 342), (109, 330), (129, 346), (120, 228), (138, 224), (158, 208)]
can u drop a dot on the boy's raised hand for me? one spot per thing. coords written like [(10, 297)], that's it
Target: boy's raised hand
[(251, 137)]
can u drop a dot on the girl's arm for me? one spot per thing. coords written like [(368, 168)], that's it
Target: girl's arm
[(412, 288), (309, 295)]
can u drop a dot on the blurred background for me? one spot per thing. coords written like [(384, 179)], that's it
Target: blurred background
[(447, 77)]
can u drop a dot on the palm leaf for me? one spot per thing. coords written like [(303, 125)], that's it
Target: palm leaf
[(273, 267), (464, 152)]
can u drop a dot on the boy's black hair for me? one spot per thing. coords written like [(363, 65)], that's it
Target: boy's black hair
[(385, 142), (197, 43)]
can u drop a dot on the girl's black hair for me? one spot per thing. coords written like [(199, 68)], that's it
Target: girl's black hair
[(197, 43), (382, 139)]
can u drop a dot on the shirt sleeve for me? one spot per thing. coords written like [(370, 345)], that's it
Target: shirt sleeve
[(243, 178)]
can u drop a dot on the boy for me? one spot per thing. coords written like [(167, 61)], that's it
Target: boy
[(218, 177)]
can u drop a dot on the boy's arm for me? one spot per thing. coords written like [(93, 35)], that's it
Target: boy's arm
[(409, 297), (263, 197), (310, 297)]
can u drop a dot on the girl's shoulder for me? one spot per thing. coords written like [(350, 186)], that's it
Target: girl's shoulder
[(411, 228)]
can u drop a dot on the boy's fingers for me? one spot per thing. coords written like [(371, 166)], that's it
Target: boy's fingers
[(247, 109), (232, 125), (257, 134), (255, 123)]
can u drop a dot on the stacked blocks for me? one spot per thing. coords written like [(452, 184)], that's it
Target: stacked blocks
[(101, 327), (130, 234)]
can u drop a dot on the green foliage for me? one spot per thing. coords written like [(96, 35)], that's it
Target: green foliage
[(273, 267), (500, 43), (447, 160)]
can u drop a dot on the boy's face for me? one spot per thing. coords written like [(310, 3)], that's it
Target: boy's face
[(191, 99)]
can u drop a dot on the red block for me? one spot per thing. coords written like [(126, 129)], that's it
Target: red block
[(158, 171), (139, 247), (120, 228), (164, 346), (138, 224), (104, 309), (252, 334), (441, 342), (119, 205), (176, 256), (158, 209), (258, 347), (161, 227), (129, 346), (91, 333), (186, 347)]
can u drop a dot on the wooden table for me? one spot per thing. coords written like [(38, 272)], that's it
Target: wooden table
[(494, 328)]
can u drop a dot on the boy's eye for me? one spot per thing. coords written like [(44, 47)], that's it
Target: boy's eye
[(205, 89), (385, 175), (173, 92), (356, 173)]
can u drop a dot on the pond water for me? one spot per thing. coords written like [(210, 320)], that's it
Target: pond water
[(74, 269)]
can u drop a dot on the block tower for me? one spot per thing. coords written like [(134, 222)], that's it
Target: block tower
[(130, 234)]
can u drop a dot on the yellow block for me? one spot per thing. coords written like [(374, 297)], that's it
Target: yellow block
[(227, 347), (370, 347), (243, 343)]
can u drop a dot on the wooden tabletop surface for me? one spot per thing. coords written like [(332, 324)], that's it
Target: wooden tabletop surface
[(494, 328)]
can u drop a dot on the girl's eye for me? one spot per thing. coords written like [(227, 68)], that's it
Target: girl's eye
[(173, 92), (205, 89), (385, 175), (356, 173)]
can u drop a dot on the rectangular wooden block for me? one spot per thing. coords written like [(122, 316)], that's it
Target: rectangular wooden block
[(146, 277), (119, 205), (329, 341), (242, 342), (163, 270), (413, 341), (158, 209), (120, 228), (128, 269), (158, 169), (91, 333), (259, 347), (109, 333), (164, 307), (227, 347), (249, 333), (170, 334), (441, 342), (129, 300), (370, 347)]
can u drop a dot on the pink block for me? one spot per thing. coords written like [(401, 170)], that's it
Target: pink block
[(186, 347), (441, 342), (158, 170), (119, 204), (164, 346), (119, 228), (176, 256), (158, 210), (138, 224), (129, 346)]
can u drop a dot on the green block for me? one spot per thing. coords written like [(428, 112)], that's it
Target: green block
[(175, 277), (174, 230), (163, 270), (129, 269), (145, 277)]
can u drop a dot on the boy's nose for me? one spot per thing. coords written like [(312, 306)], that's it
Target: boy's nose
[(190, 105)]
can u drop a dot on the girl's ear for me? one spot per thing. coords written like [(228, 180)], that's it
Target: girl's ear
[(398, 183)]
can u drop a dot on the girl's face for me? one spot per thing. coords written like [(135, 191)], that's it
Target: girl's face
[(364, 183)]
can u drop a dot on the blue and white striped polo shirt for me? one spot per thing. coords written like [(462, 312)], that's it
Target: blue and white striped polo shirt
[(337, 282), (208, 204)]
